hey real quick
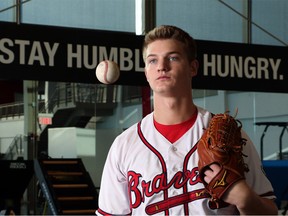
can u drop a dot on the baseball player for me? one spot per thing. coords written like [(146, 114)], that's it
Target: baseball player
[(152, 167)]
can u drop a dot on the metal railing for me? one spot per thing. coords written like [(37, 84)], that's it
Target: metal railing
[(15, 149), (11, 110), (64, 95), (68, 94)]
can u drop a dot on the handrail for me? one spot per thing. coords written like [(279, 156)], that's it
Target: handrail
[(71, 93), (15, 148), (11, 110)]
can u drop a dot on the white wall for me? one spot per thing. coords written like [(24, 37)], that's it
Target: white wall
[(74, 142), (10, 128), (71, 142)]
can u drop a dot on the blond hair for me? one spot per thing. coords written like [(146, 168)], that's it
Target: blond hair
[(171, 32)]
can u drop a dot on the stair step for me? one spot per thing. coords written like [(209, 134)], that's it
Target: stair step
[(70, 185), (80, 211), (75, 198), (60, 162), (54, 173)]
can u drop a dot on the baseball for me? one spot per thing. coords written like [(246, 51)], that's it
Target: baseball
[(107, 72)]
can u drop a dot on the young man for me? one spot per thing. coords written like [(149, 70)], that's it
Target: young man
[(152, 167)]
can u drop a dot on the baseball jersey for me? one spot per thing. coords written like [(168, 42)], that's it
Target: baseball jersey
[(144, 174)]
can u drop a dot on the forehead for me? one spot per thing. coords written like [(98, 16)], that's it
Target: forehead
[(164, 46)]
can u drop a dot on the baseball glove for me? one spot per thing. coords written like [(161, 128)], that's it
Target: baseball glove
[(222, 144)]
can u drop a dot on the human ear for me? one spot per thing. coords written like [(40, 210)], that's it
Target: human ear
[(194, 65)]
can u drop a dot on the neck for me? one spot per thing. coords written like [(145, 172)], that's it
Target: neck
[(173, 110)]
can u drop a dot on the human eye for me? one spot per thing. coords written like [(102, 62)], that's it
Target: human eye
[(173, 58), (151, 60)]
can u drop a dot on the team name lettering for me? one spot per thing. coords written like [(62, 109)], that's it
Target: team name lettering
[(241, 67), (140, 189)]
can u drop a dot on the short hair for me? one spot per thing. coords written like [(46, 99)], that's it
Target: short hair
[(171, 32)]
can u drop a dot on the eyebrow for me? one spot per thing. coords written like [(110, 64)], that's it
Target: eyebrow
[(167, 54)]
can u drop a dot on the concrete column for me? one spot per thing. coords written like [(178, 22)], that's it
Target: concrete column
[(30, 129)]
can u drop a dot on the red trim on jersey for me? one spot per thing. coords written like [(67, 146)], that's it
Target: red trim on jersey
[(185, 165), (105, 213), (161, 159), (175, 131)]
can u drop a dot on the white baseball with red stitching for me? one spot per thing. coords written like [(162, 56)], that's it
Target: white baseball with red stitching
[(107, 72)]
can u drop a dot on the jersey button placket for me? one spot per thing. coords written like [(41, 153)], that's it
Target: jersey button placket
[(173, 167), (174, 148)]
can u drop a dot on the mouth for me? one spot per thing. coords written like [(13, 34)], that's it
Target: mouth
[(163, 78)]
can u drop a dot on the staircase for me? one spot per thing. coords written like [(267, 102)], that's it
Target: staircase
[(67, 186), (73, 105)]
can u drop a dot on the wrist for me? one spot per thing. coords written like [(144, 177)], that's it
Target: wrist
[(239, 194)]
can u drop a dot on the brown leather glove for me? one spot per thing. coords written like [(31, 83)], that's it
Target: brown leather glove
[(222, 144)]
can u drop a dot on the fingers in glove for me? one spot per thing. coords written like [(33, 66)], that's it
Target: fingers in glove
[(215, 167), (211, 171)]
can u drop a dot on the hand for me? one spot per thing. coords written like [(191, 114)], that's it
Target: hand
[(211, 172), (242, 196), (233, 191)]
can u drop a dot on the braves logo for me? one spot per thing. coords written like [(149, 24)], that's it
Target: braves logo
[(175, 201), (139, 189)]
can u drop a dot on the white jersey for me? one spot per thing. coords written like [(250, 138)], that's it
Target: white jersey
[(145, 174)]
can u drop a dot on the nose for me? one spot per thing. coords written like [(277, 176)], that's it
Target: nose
[(162, 65)]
